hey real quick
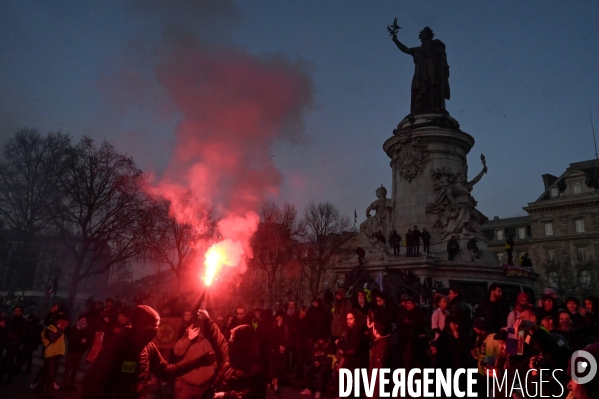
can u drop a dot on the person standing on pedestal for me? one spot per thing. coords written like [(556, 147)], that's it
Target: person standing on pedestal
[(426, 241), (416, 240), (509, 248), (409, 244), (453, 247), (395, 242)]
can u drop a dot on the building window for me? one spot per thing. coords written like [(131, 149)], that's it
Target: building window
[(576, 188), (554, 191), (548, 228), (499, 234), (551, 257), (579, 225), (521, 233), (553, 279), (582, 254), (585, 279)]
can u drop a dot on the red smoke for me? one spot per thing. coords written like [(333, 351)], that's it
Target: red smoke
[(234, 106)]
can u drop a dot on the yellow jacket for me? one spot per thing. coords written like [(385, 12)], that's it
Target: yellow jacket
[(56, 348)]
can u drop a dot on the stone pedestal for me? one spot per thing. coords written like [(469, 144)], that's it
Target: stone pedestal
[(427, 152), (430, 189)]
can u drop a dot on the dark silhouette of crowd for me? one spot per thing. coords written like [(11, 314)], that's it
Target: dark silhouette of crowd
[(247, 352)]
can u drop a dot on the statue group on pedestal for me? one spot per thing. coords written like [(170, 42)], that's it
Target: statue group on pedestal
[(455, 207)]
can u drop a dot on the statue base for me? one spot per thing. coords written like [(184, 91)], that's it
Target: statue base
[(434, 270)]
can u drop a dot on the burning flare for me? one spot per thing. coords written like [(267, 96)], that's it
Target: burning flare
[(224, 253)]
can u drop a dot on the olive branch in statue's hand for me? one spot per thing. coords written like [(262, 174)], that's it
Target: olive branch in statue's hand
[(394, 28)]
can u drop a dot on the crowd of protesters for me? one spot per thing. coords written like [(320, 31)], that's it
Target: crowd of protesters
[(315, 342), (241, 355)]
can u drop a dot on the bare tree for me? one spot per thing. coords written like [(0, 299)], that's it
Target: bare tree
[(274, 241), (580, 280), (29, 169), (101, 210), (322, 234), (177, 242)]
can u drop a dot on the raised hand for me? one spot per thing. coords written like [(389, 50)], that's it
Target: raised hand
[(192, 333)]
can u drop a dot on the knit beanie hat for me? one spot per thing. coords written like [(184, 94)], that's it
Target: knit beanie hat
[(481, 324), (242, 344), (143, 315)]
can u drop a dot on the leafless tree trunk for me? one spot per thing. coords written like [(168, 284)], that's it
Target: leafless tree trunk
[(274, 242), (322, 234), (101, 213), (29, 170)]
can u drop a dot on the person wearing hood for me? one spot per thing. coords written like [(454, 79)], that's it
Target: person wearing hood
[(383, 311), (591, 315), (411, 335), (361, 304), (522, 302), (79, 339), (279, 345), (123, 367), (240, 374), (454, 350), (300, 339), (546, 308), (553, 293), (318, 320), (341, 306)]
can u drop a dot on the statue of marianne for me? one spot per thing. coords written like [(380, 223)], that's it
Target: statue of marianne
[(430, 85)]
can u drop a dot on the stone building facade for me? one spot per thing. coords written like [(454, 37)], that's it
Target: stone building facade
[(561, 231)]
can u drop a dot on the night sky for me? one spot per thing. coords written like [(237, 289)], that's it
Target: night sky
[(523, 76)]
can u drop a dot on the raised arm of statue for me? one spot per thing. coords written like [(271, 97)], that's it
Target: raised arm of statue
[(478, 177), (401, 46)]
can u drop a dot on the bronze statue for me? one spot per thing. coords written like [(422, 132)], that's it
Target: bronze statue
[(430, 85)]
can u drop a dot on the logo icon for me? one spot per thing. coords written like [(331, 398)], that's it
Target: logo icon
[(583, 367)]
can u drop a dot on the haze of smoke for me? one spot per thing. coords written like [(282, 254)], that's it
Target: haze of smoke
[(234, 106)]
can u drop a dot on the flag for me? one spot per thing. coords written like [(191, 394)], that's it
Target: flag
[(168, 332), (52, 288), (355, 216), (379, 280)]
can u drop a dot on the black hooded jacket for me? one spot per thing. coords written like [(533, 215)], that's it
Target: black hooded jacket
[(240, 374), (121, 371)]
